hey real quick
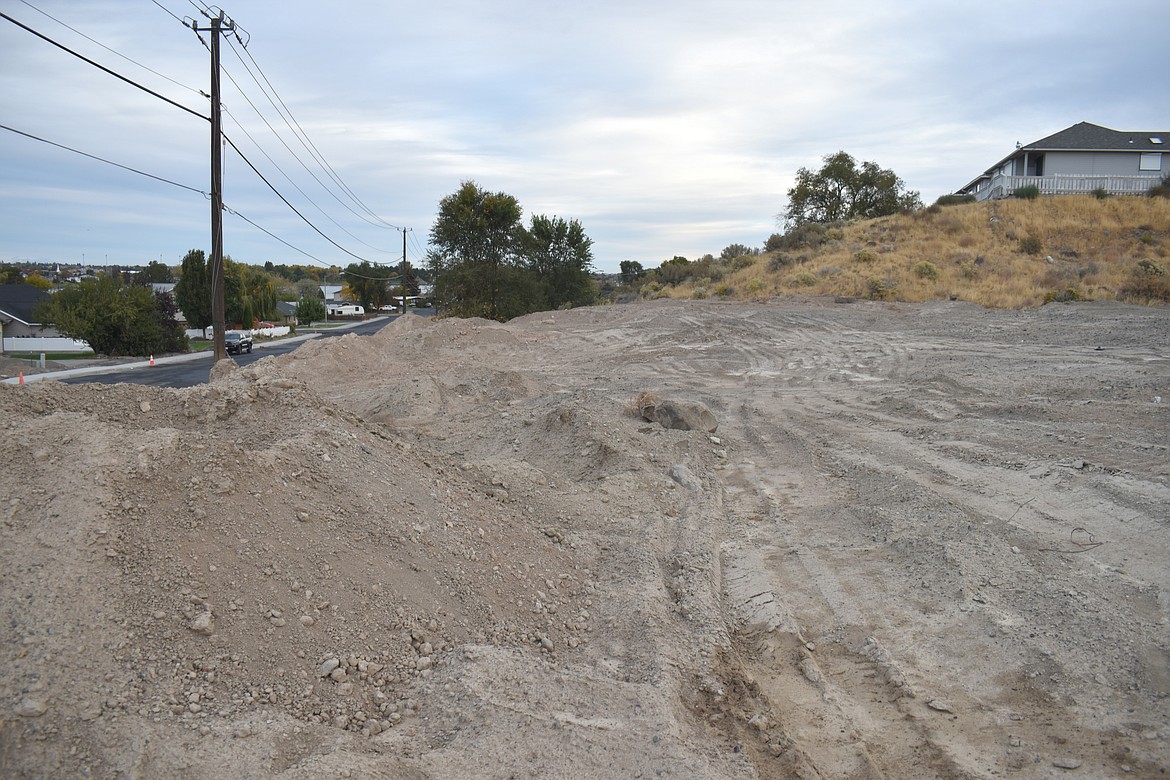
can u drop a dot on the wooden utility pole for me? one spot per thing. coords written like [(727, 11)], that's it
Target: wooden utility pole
[(402, 276), (218, 25), (217, 314)]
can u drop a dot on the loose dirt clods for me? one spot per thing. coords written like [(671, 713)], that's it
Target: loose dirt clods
[(926, 541)]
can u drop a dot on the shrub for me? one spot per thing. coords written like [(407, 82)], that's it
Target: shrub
[(1031, 245), (1100, 193), (755, 286), (810, 235), (926, 270), (1148, 282), (1027, 192), (954, 200), (804, 280), (783, 260), (969, 270), (724, 291), (1066, 295), (865, 256), (881, 289), (1161, 190), (742, 262)]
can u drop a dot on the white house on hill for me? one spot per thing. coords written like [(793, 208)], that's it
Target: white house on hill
[(1080, 160)]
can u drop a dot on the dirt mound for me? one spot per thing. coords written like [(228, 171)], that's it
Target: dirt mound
[(923, 542)]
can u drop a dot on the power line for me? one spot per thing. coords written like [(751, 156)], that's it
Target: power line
[(290, 205), (102, 159), (302, 137), (82, 57), (278, 238), (307, 142), (169, 11), (114, 51), (297, 187)]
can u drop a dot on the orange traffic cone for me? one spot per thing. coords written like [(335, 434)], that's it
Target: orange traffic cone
[(152, 360), (22, 377)]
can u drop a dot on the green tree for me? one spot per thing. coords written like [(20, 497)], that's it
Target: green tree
[(310, 309), (369, 284), (632, 271), (733, 251), (156, 272), (115, 318), (474, 256), (249, 294), (560, 255), (193, 290), (841, 190)]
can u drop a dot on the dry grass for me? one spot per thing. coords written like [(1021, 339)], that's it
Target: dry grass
[(1003, 254)]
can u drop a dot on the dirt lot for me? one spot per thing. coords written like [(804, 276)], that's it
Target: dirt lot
[(924, 541)]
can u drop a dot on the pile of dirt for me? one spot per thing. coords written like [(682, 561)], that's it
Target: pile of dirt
[(922, 541)]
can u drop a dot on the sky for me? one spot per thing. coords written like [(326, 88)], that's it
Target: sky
[(664, 128)]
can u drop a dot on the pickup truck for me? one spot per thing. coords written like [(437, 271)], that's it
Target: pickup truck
[(237, 343)]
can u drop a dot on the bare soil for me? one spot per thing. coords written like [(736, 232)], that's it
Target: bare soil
[(925, 541)]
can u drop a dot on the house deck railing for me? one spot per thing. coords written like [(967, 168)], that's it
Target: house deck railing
[(1002, 186)]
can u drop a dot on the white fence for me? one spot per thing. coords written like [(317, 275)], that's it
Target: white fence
[(1001, 186), (44, 344), (272, 332)]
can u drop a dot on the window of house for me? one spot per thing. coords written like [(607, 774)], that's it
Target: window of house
[(1151, 161)]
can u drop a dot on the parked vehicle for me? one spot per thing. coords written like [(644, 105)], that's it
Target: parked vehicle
[(237, 343)]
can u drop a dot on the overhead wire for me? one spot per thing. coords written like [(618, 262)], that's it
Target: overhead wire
[(115, 51), (103, 159), (298, 132), (176, 104), (307, 141), (101, 67)]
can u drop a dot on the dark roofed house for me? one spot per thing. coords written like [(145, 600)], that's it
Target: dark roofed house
[(18, 304), (1080, 160)]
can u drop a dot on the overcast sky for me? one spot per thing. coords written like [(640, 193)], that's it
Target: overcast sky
[(665, 128)]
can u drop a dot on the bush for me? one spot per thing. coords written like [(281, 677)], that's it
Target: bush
[(954, 200), (783, 260), (1160, 190), (881, 289), (1064, 296), (1148, 282), (810, 235), (1100, 193), (865, 256), (926, 270), (1031, 245), (755, 286), (804, 280), (1027, 192)]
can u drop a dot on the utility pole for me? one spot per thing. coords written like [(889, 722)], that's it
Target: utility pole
[(402, 276), (218, 24)]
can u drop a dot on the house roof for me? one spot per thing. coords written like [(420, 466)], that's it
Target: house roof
[(19, 302), (1087, 137)]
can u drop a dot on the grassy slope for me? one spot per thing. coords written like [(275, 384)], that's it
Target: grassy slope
[(1011, 254)]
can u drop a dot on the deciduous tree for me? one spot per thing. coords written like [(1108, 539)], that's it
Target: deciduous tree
[(193, 290), (560, 255), (474, 255), (115, 318), (842, 190)]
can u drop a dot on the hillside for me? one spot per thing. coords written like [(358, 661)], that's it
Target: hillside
[(1004, 254), (924, 541)]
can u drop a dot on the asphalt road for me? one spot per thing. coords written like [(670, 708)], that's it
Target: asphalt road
[(191, 370)]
